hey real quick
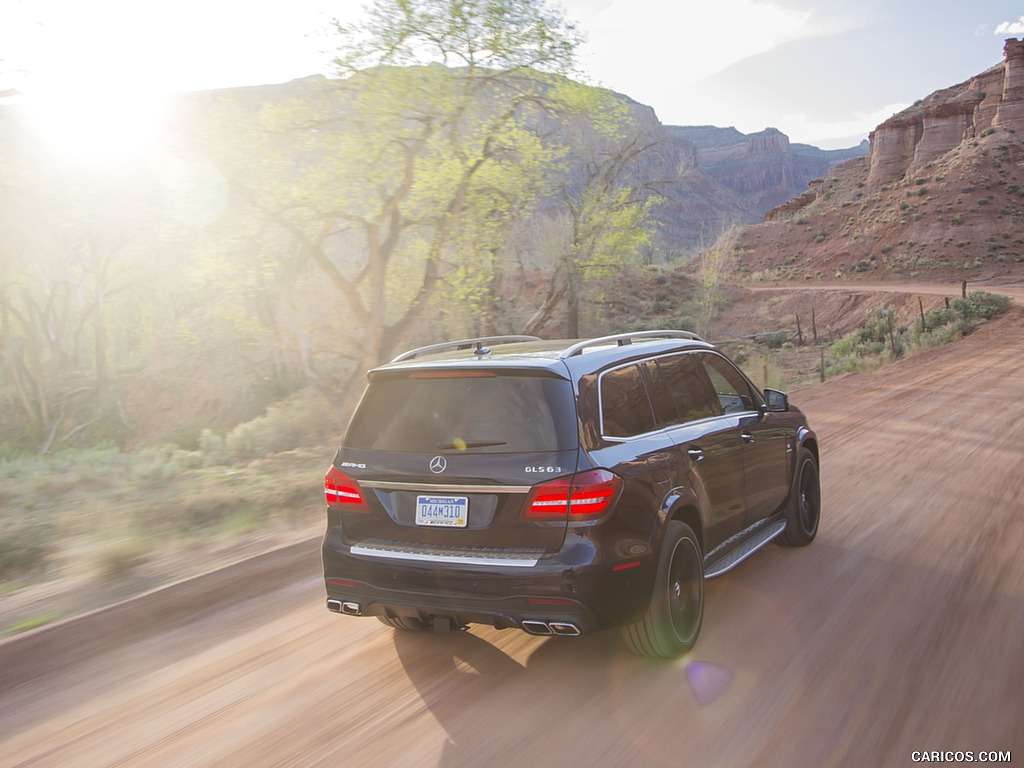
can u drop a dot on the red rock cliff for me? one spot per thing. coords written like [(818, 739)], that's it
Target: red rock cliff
[(942, 121)]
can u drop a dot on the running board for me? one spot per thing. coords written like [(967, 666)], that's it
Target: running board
[(745, 550)]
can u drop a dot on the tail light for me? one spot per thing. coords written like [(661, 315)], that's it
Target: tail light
[(340, 490), (583, 496)]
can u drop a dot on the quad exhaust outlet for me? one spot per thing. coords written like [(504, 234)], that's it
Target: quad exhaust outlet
[(532, 626), (560, 628), (344, 606)]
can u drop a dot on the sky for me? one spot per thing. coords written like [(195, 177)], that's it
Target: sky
[(824, 72)]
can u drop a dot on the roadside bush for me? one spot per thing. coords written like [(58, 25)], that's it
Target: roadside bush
[(854, 345), (212, 449), (871, 339), (942, 325), (300, 420), (121, 556), (965, 313), (774, 340), (981, 305), (25, 546), (162, 462), (30, 623)]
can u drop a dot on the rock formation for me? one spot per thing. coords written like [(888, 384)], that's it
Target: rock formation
[(937, 124), (1010, 111), (764, 167), (940, 196)]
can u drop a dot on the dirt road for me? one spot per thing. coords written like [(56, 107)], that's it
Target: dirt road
[(1012, 288), (900, 629)]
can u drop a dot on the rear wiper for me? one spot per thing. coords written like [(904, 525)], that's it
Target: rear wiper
[(464, 444)]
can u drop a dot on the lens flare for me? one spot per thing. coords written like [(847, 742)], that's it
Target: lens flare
[(707, 681)]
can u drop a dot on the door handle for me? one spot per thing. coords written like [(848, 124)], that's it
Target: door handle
[(695, 453), (747, 437)]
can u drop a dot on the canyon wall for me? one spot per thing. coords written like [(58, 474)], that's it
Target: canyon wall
[(763, 168), (931, 127)]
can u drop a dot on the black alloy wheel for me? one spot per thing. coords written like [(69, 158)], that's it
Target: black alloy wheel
[(673, 619), (804, 509)]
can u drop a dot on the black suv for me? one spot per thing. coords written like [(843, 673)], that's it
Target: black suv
[(562, 486)]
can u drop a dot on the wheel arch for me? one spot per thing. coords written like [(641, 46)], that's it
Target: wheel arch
[(687, 512), (807, 439)]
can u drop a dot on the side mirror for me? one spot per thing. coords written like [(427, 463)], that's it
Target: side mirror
[(775, 401)]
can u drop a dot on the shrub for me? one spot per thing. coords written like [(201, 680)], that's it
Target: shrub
[(26, 545), (123, 555), (981, 305), (212, 449), (287, 425), (874, 344), (872, 339), (31, 623)]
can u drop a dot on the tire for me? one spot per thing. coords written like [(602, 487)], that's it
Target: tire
[(673, 619), (804, 508), (404, 623)]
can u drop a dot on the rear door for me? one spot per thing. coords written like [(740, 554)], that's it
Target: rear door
[(628, 441), (708, 446), (446, 459)]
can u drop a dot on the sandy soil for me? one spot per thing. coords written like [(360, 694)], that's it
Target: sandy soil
[(900, 629)]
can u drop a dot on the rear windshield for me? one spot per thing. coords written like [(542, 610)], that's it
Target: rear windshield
[(489, 414)]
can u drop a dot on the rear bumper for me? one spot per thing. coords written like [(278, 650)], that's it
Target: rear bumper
[(577, 590), (568, 619)]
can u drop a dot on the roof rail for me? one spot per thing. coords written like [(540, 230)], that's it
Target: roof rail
[(462, 344), (622, 339)]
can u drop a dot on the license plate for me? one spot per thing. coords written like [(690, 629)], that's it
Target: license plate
[(444, 511)]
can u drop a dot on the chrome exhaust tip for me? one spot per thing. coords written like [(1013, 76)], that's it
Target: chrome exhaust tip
[(537, 628), (564, 629), (334, 605), (351, 609)]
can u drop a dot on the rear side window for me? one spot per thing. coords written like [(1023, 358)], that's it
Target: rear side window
[(625, 407), (436, 411)]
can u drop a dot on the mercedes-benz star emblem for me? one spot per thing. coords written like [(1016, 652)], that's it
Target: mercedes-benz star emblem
[(438, 465)]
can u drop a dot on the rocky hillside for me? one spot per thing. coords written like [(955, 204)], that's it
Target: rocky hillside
[(940, 195), (713, 178), (763, 168)]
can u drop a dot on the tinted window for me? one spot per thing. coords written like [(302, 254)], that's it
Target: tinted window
[(680, 390), (625, 409), (500, 414), (735, 394)]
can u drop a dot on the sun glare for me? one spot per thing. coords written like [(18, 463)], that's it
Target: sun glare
[(99, 123), (86, 77)]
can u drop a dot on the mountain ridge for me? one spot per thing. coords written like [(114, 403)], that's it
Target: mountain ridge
[(709, 178)]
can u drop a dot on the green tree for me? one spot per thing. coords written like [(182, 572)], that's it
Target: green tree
[(714, 264), (404, 174), (77, 293), (608, 208)]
